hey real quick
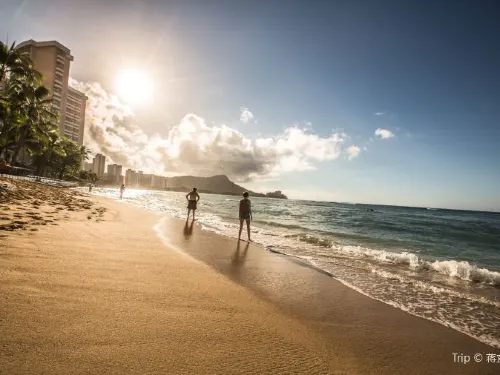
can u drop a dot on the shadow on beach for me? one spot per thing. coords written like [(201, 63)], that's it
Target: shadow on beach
[(188, 229), (238, 258)]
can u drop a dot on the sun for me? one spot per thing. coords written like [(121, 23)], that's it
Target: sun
[(134, 86)]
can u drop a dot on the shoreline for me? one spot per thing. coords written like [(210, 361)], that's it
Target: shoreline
[(312, 295), (109, 294), (438, 289)]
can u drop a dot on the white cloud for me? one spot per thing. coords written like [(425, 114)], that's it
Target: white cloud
[(352, 152), (246, 116), (384, 133), (379, 113), (196, 147)]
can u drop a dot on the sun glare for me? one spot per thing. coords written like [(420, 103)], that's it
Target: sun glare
[(134, 86)]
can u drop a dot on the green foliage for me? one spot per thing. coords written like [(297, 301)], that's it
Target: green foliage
[(28, 122), (88, 176), (12, 62)]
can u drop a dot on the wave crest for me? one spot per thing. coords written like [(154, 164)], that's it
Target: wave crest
[(466, 271), (453, 268)]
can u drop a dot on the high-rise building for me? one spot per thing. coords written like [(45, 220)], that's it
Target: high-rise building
[(159, 182), (119, 177), (145, 180), (52, 60), (74, 120), (131, 178), (98, 165), (111, 169), (115, 173)]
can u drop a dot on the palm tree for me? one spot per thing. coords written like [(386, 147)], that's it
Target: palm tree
[(43, 146), (12, 100), (38, 113), (12, 61), (85, 152), (72, 158)]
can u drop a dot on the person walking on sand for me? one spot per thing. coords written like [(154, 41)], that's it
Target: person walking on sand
[(122, 189), (245, 214), (192, 197), (90, 188)]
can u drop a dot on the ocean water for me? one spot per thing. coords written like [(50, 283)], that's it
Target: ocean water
[(441, 265)]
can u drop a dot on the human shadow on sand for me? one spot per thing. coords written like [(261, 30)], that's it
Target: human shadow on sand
[(238, 258), (188, 229)]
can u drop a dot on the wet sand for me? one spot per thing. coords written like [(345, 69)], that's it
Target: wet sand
[(381, 338), (108, 295)]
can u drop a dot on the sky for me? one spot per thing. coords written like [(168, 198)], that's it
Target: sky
[(383, 102)]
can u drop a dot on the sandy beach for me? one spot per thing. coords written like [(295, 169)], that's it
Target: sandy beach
[(106, 287)]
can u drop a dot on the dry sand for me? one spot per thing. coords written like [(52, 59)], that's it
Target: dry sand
[(102, 293), (109, 297)]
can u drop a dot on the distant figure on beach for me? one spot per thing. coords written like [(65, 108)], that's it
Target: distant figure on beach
[(245, 214), (192, 198), (122, 189), (90, 188)]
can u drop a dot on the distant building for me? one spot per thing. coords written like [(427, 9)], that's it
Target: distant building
[(98, 165), (52, 60), (111, 172), (140, 179), (145, 180), (131, 178), (158, 182), (119, 176), (115, 174)]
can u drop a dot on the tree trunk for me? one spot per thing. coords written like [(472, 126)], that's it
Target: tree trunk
[(3, 153), (61, 174), (43, 163), (20, 144)]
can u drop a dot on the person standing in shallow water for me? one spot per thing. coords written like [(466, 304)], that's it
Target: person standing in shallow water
[(245, 214), (122, 189), (192, 198)]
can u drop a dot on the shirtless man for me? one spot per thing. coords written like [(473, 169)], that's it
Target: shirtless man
[(245, 214), (192, 197)]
